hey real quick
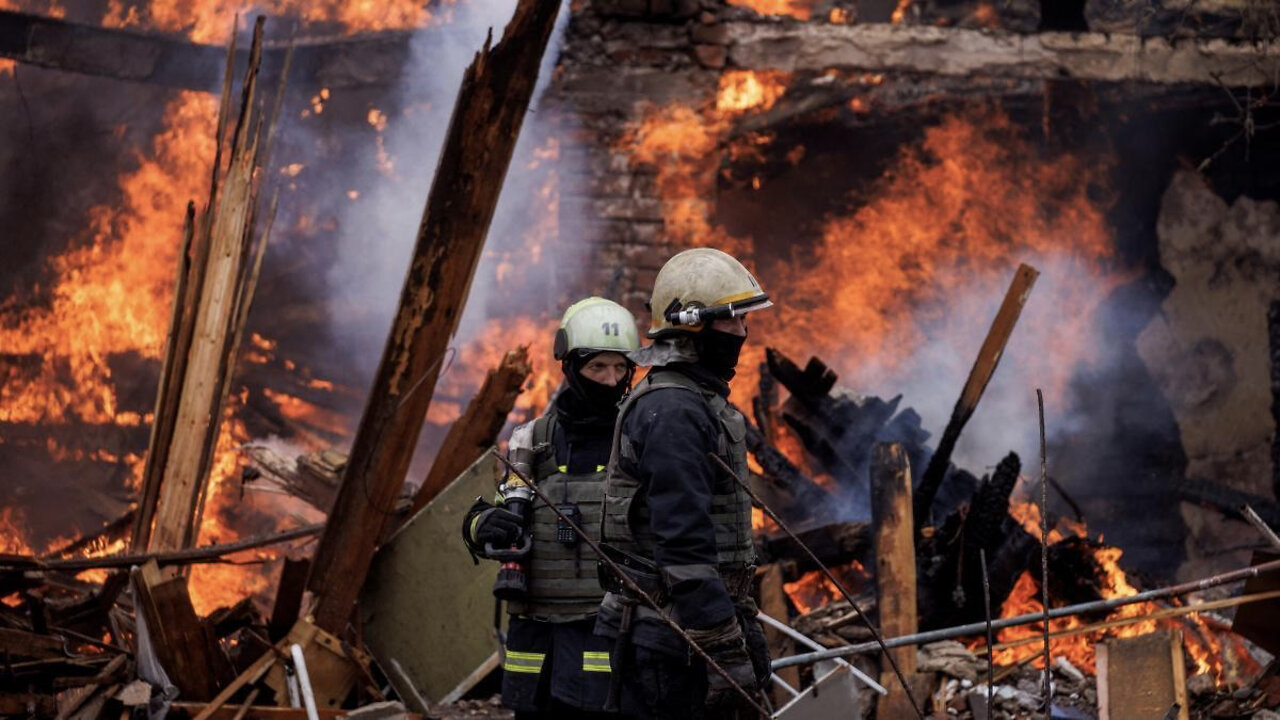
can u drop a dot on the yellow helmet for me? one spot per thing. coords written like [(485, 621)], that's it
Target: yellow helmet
[(700, 285), (596, 325)]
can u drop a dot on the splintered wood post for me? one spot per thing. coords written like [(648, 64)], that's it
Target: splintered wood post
[(773, 602), (227, 225), (983, 368), (473, 433), (486, 121), (1142, 677), (172, 368), (895, 551)]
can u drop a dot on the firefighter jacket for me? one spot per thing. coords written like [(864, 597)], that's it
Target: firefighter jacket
[(667, 501)]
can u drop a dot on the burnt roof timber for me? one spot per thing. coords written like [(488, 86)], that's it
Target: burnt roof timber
[(366, 60), (961, 52)]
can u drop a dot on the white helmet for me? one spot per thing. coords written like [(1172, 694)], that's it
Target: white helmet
[(596, 325), (699, 285)]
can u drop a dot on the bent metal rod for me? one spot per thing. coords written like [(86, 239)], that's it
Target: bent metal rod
[(979, 627), (631, 584)]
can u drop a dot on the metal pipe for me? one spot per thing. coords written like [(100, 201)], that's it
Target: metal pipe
[(777, 680), (975, 628), (304, 681), (810, 643)]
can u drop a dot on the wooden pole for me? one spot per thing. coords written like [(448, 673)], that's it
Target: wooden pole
[(895, 550), (473, 433), (984, 366), (486, 121)]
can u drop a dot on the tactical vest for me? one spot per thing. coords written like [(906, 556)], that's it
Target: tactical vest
[(626, 512), (563, 583)]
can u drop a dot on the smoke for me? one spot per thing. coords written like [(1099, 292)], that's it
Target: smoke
[(1061, 332), (377, 232)]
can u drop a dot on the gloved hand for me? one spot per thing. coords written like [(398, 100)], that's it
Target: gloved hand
[(758, 649), (498, 527), (726, 645)]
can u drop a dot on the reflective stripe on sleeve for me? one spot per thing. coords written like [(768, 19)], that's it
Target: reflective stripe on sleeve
[(523, 662), (595, 661)]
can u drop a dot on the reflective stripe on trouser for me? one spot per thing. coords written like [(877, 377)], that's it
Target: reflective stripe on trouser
[(595, 661), (524, 662)]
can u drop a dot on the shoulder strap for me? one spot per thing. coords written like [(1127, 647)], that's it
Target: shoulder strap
[(656, 380)]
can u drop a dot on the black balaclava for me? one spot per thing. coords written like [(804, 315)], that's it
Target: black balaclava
[(718, 351), (597, 399)]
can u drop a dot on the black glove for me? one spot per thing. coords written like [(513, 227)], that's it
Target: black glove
[(497, 527), (726, 645)]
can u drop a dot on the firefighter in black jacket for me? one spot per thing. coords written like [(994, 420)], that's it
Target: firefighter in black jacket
[(670, 508), (554, 666)]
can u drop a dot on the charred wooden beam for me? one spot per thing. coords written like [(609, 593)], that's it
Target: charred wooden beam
[(210, 553), (835, 545), (1227, 500), (963, 52), (375, 60), (473, 433), (984, 366), (486, 121)]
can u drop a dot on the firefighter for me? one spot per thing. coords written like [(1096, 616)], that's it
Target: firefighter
[(554, 666), (674, 517)]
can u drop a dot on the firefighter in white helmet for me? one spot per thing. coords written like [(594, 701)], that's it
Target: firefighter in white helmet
[(670, 508), (554, 666)]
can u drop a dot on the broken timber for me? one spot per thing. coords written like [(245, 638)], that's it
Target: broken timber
[(1142, 677), (471, 435), (222, 289), (486, 121), (872, 47)]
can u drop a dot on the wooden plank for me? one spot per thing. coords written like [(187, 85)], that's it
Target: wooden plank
[(961, 52), (289, 591), (250, 675), (984, 366), (199, 413), (21, 643), (773, 602), (186, 647), (490, 110), (1141, 678), (895, 552), (477, 430), (27, 705)]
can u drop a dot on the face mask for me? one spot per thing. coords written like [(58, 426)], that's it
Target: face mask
[(598, 395), (718, 351)]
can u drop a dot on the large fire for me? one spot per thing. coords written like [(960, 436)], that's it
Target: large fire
[(1208, 646), (110, 295)]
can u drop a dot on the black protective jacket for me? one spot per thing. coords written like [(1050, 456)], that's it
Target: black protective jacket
[(672, 432)]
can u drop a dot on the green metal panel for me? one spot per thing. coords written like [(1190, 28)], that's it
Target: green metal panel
[(426, 605)]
